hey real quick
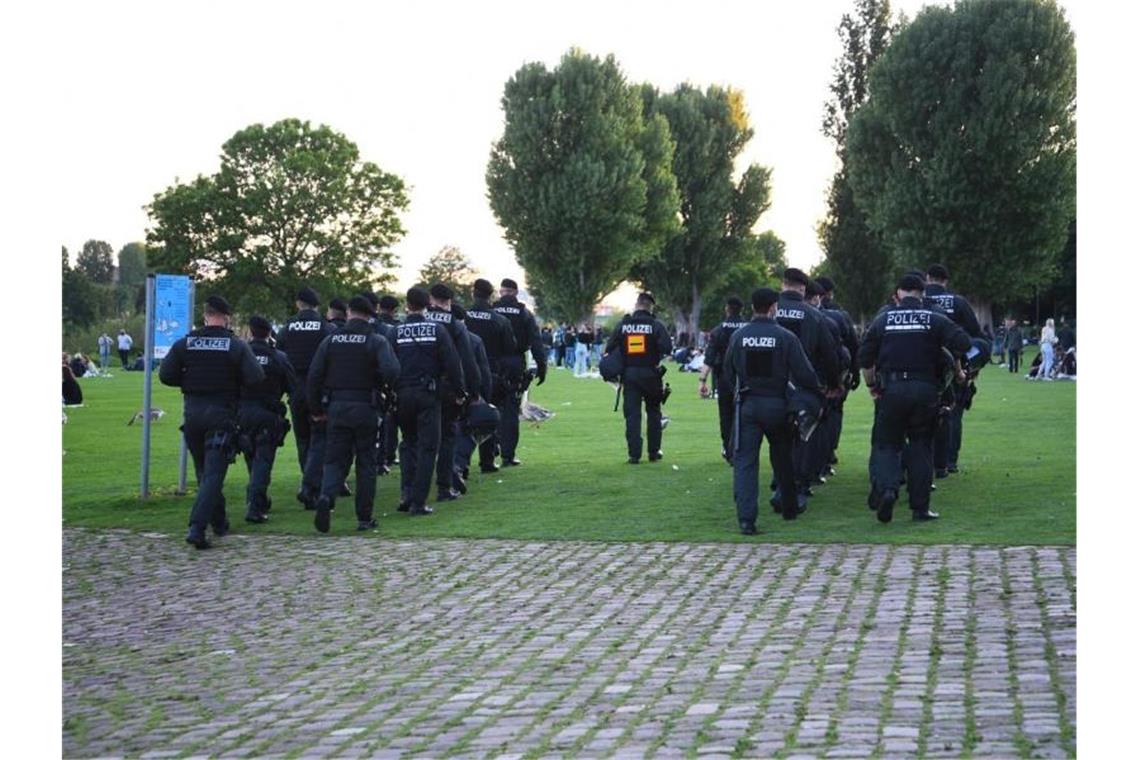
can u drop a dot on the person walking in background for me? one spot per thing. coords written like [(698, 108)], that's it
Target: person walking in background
[(1013, 341), (1048, 340), (581, 349), (125, 344), (105, 343)]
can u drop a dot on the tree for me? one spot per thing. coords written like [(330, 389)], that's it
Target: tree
[(854, 255), (717, 213), (132, 265), (95, 262), (580, 180), (760, 267), (450, 267), (292, 205), (965, 152)]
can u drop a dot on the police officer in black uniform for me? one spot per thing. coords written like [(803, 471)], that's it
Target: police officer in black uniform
[(527, 337), (439, 310), (262, 419), (715, 354), (427, 355), (388, 306), (499, 342), (464, 442), (210, 365), (900, 355), (299, 339), (948, 441), (819, 447), (850, 341), (810, 326), (643, 342), (337, 313), (760, 360), (349, 371)]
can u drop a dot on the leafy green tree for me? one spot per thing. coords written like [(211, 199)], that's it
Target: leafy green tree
[(965, 151), (854, 255), (450, 267), (292, 205), (580, 180), (81, 298), (132, 265), (760, 267), (710, 129), (96, 262)]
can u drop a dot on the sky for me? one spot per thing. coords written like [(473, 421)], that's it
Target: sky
[(154, 89)]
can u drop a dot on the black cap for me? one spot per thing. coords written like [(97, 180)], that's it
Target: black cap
[(441, 292), (795, 275), (219, 305), (338, 305), (458, 312), (417, 298), (911, 282), (763, 298), (372, 297), (259, 326), (509, 283), (482, 288), (813, 289), (826, 283), (646, 298), (309, 296), (361, 305), (938, 272), (734, 303), (389, 303)]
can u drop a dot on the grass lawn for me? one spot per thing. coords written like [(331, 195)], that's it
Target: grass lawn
[(1017, 484)]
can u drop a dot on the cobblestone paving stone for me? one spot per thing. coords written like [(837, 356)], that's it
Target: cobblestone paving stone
[(340, 646)]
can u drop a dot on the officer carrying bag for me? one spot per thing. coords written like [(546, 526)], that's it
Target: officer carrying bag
[(611, 366)]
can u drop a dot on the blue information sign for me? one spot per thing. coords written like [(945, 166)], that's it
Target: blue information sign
[(173, 311)]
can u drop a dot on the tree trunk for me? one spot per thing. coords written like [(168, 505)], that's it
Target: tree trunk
[(695, 317), (680, 323), (985, 313)]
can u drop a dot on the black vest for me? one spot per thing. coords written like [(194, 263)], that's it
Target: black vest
[(209, 369), (516, 314), (909, 340), (417, 348), (723, 336), (484, 322), (350, 362), (273, 386), (303, 332), (639, 341), (762, 356)]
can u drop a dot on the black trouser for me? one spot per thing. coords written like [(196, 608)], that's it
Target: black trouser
[(262, 428), (448, 430), (512, 368), (948, 435), (210, 429), (907, 410), (762, 417), (316, 455), (302, 425), (124, 354), (391, 438), (642, 384), (726, 409), (351, 434), (418, 416), (1014, 361)]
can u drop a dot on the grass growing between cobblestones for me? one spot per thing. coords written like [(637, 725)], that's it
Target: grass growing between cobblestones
[(1017, 484)]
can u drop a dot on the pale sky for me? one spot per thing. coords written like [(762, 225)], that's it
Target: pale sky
[(154, 90)]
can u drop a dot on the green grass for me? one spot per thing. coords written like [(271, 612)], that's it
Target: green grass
[(1017, 485)]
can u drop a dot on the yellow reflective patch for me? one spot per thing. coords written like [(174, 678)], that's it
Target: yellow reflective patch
[(635, 344)]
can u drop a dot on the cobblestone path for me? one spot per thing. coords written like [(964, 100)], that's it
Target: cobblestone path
[(318, 646)]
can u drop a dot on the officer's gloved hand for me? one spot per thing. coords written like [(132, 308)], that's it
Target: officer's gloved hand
[(855, 381), (541, 374)]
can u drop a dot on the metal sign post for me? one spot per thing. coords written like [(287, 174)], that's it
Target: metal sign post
[(148, 366)]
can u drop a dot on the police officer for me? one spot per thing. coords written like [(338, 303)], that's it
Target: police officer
[(900, 356), (299, 339), (498, 338), (382, 327), (337, 313), (760, 359), (819, 446), (261, 417), (850, 341), (210, 365), (388, 306), (439, 310), (715, 354), (349, 371), (464, 442), (527, 337), (427, 355), (643, 342), (811, 327)]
